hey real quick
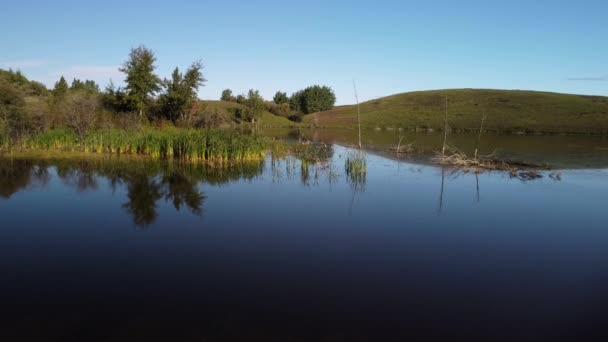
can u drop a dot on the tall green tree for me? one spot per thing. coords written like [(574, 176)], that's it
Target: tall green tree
[(313, 99), (280, 98), (87, 85), (61, 88), (296, 101), (181, 92), (141, 81), (12, 111), (254, 106), (227, 96), (317, 99)]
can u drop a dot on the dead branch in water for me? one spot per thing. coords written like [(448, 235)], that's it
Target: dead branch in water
[(445, 127), (407, 148), (517, 169), (483, 118), (358, 112)]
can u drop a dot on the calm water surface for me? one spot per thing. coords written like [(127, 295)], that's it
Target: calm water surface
[(116, 250)]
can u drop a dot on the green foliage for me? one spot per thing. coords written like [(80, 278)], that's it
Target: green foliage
[(18, 80), (87, 85), (254, 106), (296, 101), (280, 98), (313, 99), (216, 146), (12, 110), (4, 133), (116, 99), (38, 89), (142, 82), (14, 77), (228, 114), (53, 139), (180, 92), (79, 111), (241, 99), (227, 96), (61, 89), (356, 169), (282, 109)]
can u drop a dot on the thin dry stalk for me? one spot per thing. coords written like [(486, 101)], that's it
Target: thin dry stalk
[(445, 126), (358, 112), (483, 118)]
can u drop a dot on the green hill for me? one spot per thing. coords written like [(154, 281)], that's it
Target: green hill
[(507, 111), (228, 109)]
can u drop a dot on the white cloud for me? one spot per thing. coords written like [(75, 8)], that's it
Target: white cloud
[(99, 74), (23, 64), (589, 79)]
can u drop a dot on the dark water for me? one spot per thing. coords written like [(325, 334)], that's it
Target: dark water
[(116, 250)]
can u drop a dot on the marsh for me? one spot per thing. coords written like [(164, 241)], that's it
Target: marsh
[(114, 249)]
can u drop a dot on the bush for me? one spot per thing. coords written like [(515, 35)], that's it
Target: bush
[(254, 106), (313, 99), (227, 96), (280, 98), (279, 109), (79, 111)]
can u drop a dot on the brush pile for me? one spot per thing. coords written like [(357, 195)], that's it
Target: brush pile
[(517, 169)]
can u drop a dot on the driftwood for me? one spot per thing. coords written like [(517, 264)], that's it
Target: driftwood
[(517, 169), (406, 149)]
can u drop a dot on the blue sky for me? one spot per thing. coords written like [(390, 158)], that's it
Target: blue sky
[(386, 46)]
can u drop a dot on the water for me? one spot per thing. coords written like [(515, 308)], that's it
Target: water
[(117, 250)]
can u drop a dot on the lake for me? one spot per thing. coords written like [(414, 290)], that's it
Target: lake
[(112, 249)]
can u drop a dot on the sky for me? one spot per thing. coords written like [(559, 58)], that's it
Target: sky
[(387, 47)]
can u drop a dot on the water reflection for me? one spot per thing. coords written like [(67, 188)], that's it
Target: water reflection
[(271, 259), (17, 174), (146, 182)]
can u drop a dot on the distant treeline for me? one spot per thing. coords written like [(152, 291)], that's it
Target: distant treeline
[(310, 100)]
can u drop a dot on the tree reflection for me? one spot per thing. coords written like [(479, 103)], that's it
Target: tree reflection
[(143, 193), (19, 174), (146, 182), (80, 176), (181, 192)]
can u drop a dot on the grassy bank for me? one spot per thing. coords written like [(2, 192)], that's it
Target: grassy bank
[(226, 110), (217, 146), (506, 110)]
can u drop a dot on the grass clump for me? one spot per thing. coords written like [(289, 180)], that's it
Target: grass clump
[(356, 163), (356, 170), (216, 146)]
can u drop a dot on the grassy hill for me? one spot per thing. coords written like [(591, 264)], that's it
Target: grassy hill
[(227, 110), (507, 111)]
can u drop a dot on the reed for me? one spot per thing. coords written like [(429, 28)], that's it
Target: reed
[(355, 164), (217, 146)]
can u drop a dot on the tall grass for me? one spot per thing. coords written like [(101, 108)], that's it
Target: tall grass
[(356, 169), (184, 144)]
